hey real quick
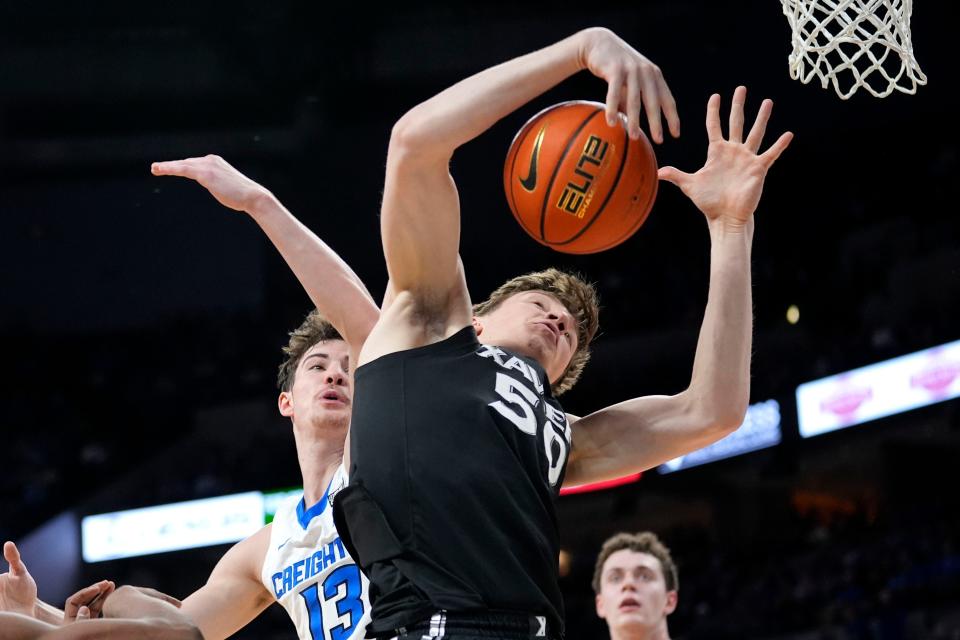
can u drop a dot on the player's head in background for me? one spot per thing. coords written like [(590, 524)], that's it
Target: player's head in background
[(636, 583), (550, 316), (314, 378)]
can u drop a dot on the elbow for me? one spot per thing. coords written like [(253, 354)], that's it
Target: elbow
[(726, 417), (726, 422), (711, 426), (410, 134), (720, 417), (414, 139)]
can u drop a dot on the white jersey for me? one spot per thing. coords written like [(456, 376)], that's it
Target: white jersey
[(311, 574)]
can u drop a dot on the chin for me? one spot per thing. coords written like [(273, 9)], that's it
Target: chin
[(332, 419), (539, 349), (632, 621)]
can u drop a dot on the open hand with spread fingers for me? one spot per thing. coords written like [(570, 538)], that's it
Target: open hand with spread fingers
[(727, 188)]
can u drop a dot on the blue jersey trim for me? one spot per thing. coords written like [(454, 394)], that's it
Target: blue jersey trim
[(304, 515)]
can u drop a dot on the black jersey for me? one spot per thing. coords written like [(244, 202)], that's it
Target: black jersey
[(458, 451)]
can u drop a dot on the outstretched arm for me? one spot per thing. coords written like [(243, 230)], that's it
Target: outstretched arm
[(420, 220), (643, 432), (157, 620), (233, 594), (332, 285)]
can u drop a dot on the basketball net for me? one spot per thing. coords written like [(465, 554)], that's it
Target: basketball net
[(853, 44)]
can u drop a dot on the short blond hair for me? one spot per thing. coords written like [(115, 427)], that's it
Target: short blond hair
[(314, 329), (643, 542), (576, 294)]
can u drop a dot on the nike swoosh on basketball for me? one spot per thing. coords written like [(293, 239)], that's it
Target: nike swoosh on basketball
[(530, 182)]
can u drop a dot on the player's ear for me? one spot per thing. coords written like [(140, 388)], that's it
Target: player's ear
[(285, 404), (671, 602), (477, 325)]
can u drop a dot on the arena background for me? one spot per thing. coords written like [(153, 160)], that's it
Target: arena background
[(141, 323)]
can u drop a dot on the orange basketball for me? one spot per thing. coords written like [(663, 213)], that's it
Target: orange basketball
[(575, 183)]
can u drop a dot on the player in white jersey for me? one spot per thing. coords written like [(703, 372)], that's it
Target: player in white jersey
[(310, 573), (298, 559)]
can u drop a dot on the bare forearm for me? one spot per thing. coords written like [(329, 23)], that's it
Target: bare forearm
[(467, 109), (137, 602), (145, 629), (47, 613), (332, 285), (720, 384), (221, 612)]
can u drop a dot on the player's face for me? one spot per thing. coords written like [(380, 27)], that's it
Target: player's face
[(534, 324), (321, 394), (633, 593)]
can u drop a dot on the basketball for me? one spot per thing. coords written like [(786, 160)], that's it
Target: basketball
[(576, 184)]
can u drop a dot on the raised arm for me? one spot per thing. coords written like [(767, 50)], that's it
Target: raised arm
[(332, 285), (420, 220), (644, 432), (233, 595)]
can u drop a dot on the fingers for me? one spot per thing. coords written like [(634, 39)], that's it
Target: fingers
[(80, 599), (770, 155), (759, 126), (673, 176), (614, 95), (635, 100), (736, 114), (83, 613), (188, 168), (669, 109), (91, 597), (96, 605), (714, 132), (12, 556), (181, 168), (651, 103)]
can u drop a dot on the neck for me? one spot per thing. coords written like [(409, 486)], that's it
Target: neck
[(658, 632), (319, 454)]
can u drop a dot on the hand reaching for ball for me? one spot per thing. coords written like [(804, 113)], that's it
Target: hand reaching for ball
[(727, 188), (633, 82)]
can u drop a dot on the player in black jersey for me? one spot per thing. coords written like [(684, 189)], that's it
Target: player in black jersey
[(459, 447)]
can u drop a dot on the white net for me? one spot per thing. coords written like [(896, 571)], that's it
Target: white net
[(853, 44)]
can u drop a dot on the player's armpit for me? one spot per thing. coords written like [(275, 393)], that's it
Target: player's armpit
[(233, 595), (637, 435)]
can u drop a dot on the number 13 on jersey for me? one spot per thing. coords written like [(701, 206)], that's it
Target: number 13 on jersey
[(344, 589)]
